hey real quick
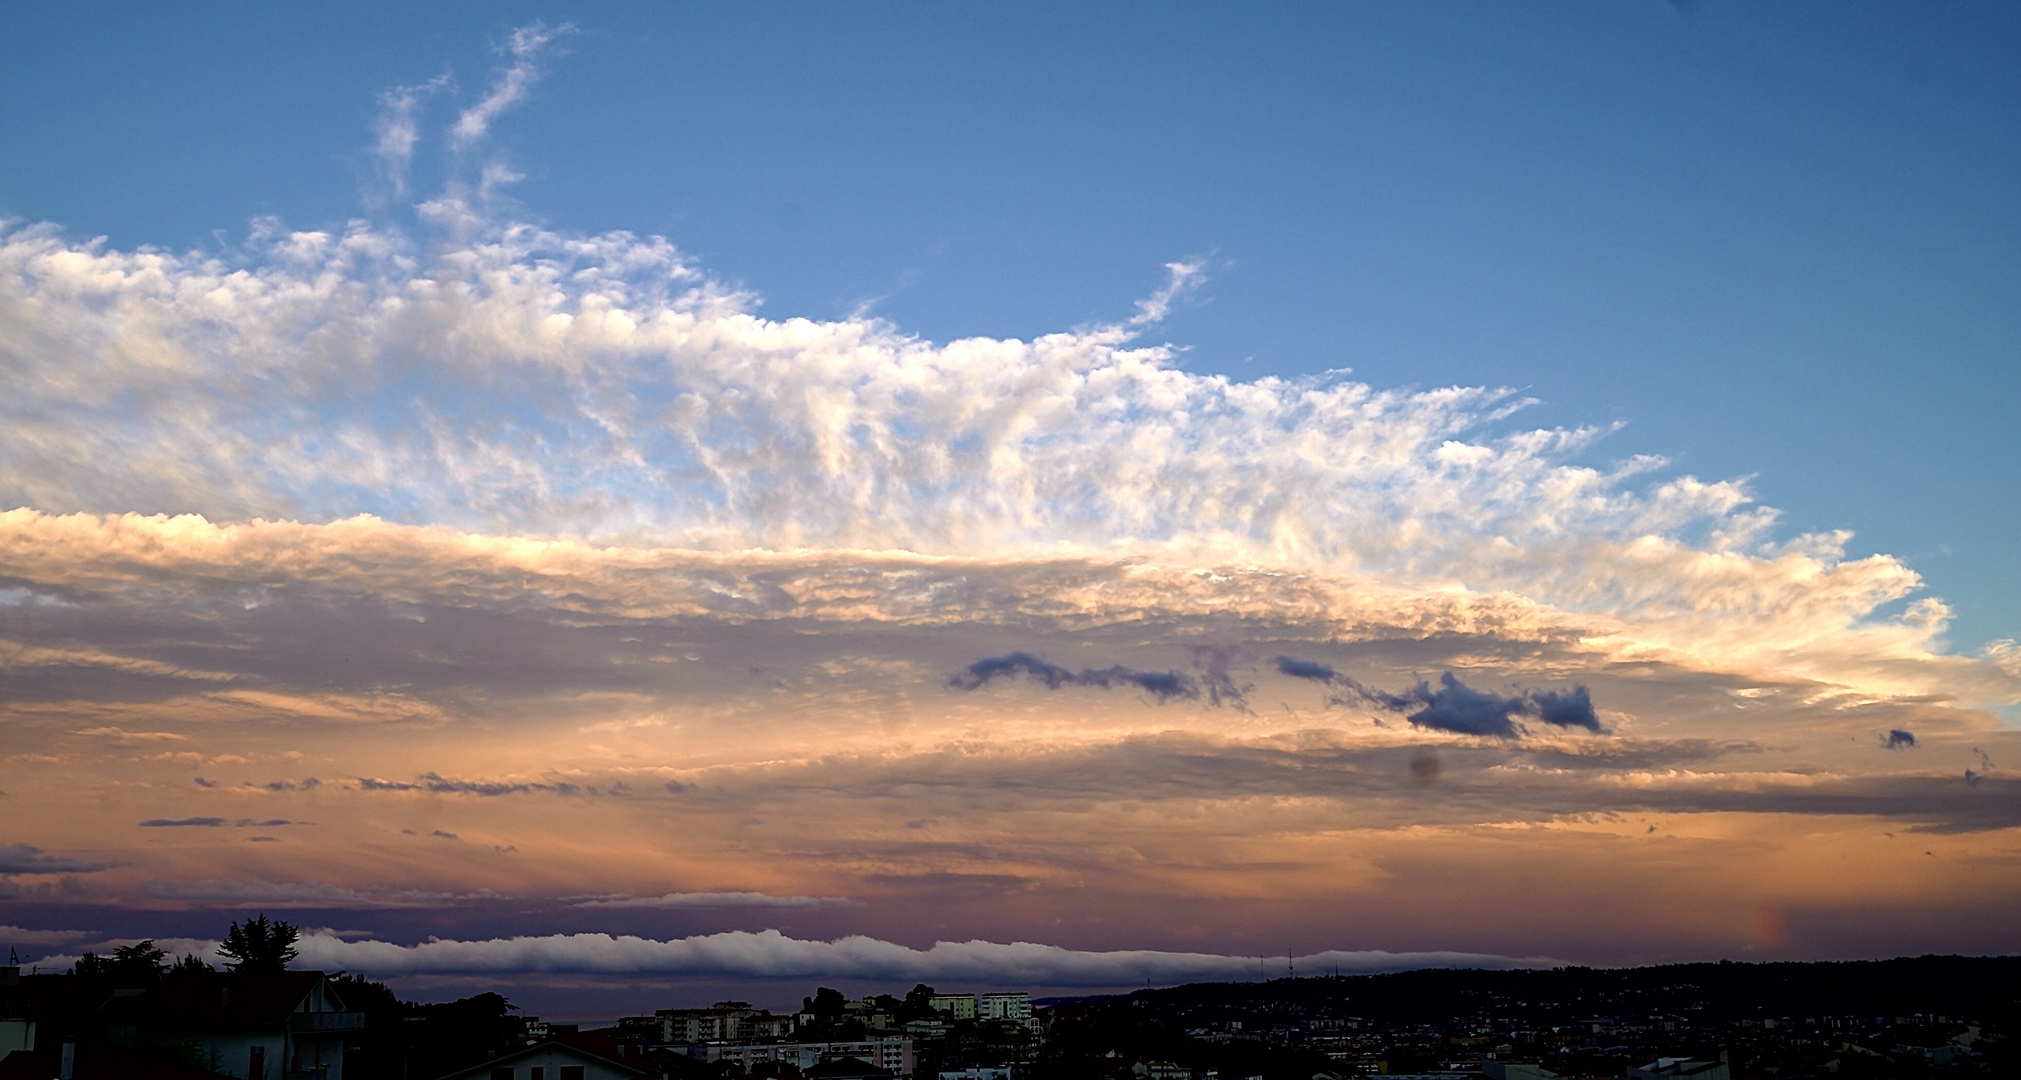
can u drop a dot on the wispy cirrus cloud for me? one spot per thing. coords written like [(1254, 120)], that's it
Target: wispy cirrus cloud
[(525, 47)]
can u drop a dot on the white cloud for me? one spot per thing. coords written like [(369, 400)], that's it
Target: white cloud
[(512, 83), (770, 954), (397, 130)]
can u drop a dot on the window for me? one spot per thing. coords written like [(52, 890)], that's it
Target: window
[(571, 1072), (538, 1072)]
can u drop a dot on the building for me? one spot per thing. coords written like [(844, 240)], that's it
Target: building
[(892, 1054), (848, 1068), (1016, 1007), (725, 1021), (1681, 1069), (554, 1059), (977, 1072), (955, 1006), (254, 1025)]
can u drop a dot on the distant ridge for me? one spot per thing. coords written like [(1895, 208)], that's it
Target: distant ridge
[(1726, 990)]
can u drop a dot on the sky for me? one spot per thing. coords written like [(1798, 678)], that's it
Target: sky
[(637, 503)]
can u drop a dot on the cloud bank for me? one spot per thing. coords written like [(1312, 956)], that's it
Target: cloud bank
[(589, 590), (772, 955)]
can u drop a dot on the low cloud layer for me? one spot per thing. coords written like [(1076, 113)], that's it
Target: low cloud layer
[(772, 955)]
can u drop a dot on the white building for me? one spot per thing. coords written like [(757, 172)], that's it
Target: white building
[(955, 1006), (893, 1054), (1007, 1006), (551, 1060)]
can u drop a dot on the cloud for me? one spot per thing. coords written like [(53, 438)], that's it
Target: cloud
[(1897, 739), (132, 738), (15, 935), (713, 900), (441, 785), (397, 130), (1457, 707), (1163, 685), (668, 415), (170, 823), (232, 893), (525, 47), (1305, 669), (28, 859), (770, 954)]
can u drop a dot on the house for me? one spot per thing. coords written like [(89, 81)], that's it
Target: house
[(555, 1059), (847, 1068), (1671, 1068), (247, 1025)]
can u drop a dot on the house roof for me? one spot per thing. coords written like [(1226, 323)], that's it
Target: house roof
[(226, 997), (847, 1068), (561, 1045), (216, 997), (97, 1063)]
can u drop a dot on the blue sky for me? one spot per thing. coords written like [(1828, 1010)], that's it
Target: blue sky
[(696, 500), (1776, 242)]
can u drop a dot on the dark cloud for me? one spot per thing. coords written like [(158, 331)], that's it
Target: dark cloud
[(442, 785), (445, 835), (201, 782), (270, 823), (29, 859), (1214, 658), (293, 785), (675, 787), (173, 823), (1456, 707), (1305, 669), (1897, 739), (1163, 685)]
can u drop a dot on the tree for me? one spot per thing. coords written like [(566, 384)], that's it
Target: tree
[(141, 959), (189, 964), (918, 1003), (259, 945), (827, 1003)]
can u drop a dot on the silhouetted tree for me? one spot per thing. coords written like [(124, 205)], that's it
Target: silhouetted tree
[(259, 945), (141, 960), (918, 1003), (827, 1003), (189, 964)]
